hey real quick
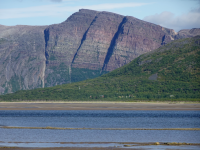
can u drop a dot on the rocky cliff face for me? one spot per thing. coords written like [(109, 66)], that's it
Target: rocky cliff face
[(22, 59), (86, 45)]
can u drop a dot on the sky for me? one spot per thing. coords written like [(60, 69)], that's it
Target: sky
[(173, 14)]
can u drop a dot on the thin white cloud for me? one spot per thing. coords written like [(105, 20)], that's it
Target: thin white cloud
[(59, 10), (60, 0), (169, 20), (109, 6), (48, 0), (56, 0)]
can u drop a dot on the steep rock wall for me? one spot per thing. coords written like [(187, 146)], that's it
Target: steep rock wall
[(134, 38), (62, 43), (22, 61)]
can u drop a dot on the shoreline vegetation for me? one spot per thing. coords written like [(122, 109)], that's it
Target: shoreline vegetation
[(169, 101)]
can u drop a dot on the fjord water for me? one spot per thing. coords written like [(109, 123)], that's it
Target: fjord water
[(99, 119)]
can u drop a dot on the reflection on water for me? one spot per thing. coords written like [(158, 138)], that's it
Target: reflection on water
[(100, 119), (40, 135)]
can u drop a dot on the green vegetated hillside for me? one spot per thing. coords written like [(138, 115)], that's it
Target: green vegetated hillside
[(171, 72)]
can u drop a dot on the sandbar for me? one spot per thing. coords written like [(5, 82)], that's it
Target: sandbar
[(64, 148), (99, 106)]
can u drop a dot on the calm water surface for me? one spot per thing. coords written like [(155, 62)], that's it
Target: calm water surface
[(100, 119)]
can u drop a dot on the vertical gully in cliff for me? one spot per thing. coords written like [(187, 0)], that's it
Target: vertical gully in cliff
[(112, 45), (163, 40), (83, 39), (46, 38)]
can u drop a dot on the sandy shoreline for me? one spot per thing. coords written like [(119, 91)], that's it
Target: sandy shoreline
[(98, 106)]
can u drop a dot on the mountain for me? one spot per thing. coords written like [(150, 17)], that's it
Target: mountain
[(88, 44), (171, 72)]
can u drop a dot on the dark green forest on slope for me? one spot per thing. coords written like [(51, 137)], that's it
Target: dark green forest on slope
[(171, 72)]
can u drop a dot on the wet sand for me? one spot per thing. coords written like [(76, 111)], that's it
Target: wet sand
[(98, 106), (118, 146), (67, 148)]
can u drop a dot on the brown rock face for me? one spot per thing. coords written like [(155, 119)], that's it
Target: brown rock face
[(96, 43), (86, 45), (62, 42), (134, 38)]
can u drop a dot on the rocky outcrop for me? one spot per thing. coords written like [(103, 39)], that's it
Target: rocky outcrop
[(86, 45), (187, 33)]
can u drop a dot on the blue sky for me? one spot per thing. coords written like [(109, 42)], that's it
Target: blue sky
[(173, 14)]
